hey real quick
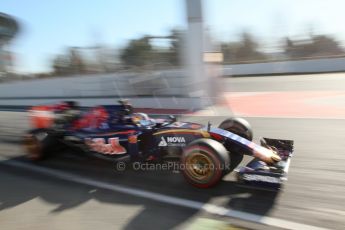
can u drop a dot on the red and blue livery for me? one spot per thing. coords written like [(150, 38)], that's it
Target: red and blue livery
[(115, 132)]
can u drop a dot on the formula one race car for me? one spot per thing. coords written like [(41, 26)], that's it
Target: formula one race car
[(206, 154)]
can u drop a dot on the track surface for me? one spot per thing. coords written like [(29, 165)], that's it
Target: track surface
[(313, 195)]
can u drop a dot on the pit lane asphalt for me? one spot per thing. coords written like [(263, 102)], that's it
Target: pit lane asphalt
[(314, 193)]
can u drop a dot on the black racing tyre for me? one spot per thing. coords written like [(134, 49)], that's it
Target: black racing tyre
[(39, 144), (238, 126), (204, 162), (242, 128), (236, 159)]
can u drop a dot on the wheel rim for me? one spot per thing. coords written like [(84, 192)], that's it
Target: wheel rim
[(33, 147), (199, 166)]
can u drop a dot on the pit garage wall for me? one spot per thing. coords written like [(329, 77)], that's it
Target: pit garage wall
[(287, 67), (146, 90), (164, 89)]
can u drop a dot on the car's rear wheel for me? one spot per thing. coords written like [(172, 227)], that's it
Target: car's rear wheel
[(39, 144), (32, 147), (204, 162)]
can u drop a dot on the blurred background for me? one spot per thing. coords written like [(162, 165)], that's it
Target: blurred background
[(278, 63), (56, 39), (171, 49)]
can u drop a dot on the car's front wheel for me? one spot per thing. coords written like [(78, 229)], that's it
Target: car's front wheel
[(204, 162), (238, 126), (242, 128)]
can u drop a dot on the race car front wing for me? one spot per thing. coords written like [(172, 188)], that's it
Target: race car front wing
[(260, 175)]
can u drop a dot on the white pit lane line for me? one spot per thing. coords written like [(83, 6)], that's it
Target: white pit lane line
[(209, 208)]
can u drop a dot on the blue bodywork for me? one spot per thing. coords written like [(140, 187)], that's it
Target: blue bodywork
[(117, 135)]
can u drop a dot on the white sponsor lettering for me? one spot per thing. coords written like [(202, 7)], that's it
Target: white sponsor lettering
[(269, 179), (172, 141), (176, 139)]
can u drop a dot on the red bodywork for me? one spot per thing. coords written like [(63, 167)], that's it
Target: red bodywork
[(42, 116)]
